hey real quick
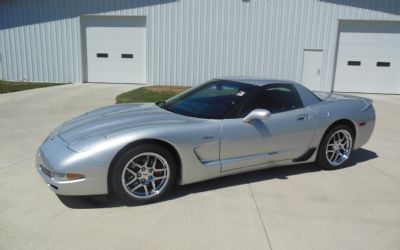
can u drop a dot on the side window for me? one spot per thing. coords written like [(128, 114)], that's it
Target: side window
[(308, 97), (275, 98)]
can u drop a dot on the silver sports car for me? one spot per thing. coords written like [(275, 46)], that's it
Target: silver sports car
[(222, 127)]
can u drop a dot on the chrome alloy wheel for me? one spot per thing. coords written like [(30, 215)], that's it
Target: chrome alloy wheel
[(145, 175), (339, 147)]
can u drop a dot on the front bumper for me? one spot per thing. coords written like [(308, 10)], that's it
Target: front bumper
[(53, 156)]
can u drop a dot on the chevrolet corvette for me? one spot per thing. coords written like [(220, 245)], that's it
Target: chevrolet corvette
[(222, 127)]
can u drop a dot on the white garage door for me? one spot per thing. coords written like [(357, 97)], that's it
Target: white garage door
[(116, 49), (368, 57)]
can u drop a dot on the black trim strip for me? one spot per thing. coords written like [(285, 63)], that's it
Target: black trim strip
[(128, 56), (307, 155), (354, 63), (382, 64), (102, 55)]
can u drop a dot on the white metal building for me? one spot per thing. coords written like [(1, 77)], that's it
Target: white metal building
[(341, 45)]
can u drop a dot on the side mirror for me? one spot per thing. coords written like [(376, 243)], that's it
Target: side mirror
[(257, 114)]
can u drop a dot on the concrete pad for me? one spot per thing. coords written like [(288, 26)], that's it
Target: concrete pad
[(293, 207), (27, 117)]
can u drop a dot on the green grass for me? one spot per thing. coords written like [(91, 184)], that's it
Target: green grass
[(149, 94), (7, 87)]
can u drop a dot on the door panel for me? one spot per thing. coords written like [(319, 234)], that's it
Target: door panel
[(312, 69), (285, 135)]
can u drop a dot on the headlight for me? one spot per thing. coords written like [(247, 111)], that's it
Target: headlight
[(86, 143)]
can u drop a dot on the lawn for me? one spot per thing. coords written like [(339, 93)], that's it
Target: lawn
[(149, 94), (7, 87)]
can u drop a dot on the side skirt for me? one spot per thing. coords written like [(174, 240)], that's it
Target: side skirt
[(307, 155)]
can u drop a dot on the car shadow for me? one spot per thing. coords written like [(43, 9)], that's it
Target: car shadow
[(282, 173)]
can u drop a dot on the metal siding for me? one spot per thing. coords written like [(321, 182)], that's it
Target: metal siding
[(188, 41)]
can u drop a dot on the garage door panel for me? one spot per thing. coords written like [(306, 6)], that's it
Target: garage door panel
[(113, 39), (123, 40), (390, 87), (367, 63), (373, 76), (116, 52), (119, 21), (369, 38), (373, 51), (125, 34), (370, 61)]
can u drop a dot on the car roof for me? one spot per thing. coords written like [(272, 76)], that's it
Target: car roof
[(255, 81)]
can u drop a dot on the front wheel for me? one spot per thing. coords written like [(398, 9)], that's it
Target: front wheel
[(144, 174), (336, 147)]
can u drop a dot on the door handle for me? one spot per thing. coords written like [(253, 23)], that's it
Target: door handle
[(303, 117)]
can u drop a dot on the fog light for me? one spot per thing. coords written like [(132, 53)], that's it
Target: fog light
[(75, 176)]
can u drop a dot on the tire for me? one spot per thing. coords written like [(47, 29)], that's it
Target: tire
[(137, 179), (336, 147)]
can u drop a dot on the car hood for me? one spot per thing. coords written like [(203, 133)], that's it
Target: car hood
[(115, 118)]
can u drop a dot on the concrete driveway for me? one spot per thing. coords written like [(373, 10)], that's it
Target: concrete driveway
[(294, 207)]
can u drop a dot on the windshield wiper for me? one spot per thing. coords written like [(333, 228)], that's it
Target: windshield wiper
[(161, 104)]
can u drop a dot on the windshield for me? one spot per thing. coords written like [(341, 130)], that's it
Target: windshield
[(211, 100)]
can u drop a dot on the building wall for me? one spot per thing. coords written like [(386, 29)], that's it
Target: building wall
[(189, 41)]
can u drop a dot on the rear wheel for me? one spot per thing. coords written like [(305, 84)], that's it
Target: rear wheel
[(336, 147), (144, 174)]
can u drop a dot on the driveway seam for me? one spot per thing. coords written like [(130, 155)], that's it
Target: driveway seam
[(15, 163), (385, 174), (259, 215)]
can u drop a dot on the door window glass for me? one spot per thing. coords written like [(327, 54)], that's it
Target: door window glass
[(275, 98)]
